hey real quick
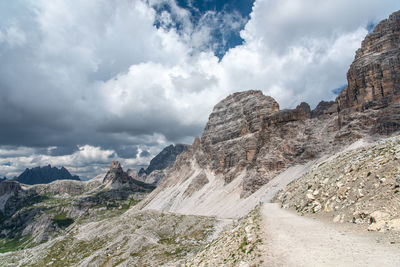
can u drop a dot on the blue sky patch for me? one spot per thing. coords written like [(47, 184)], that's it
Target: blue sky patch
[(223, 35)]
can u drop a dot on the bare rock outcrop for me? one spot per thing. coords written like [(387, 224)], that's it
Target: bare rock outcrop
[(374, 75), (116, 178), (324, 108)]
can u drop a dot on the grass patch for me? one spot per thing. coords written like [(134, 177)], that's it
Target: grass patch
[(62, 220), (243, 245), (20, 242)]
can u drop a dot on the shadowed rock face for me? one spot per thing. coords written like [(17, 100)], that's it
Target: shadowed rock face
[(116, 174), (164, 159), (324, 107), (374, 75), (9, 187)]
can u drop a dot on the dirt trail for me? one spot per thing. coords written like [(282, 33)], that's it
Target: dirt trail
[(293, 240)]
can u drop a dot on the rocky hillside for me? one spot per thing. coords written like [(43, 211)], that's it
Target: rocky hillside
[(248, 141), (240, 245), (361, 186), (38, 213), (44, 175), (129, 239)]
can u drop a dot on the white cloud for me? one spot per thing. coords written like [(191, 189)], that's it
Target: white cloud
[(88, 161)]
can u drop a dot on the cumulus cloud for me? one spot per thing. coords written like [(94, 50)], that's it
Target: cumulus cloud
[(86, 162), (84, 82)]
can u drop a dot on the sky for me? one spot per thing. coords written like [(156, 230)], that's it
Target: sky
[(83, 83)]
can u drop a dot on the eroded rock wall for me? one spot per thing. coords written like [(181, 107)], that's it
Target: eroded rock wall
[(374, 75)]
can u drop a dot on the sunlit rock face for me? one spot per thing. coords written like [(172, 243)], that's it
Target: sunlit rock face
[(374, 75)]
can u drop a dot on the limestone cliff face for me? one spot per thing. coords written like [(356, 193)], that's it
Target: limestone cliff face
[(374, 76), (231, 135)]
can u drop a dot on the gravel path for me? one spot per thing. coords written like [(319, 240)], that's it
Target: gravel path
[(293, 240)]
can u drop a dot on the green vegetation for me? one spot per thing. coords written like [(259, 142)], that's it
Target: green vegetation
[(244, 244), (19, 242), (62, 220)]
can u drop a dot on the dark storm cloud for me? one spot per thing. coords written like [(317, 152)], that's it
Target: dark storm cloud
[(61, 150), (56, 55)]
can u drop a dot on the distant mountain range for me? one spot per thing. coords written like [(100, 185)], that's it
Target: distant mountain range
[(45, 175)]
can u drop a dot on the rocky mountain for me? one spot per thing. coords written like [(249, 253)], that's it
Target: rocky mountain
[(164, 159), (248, 141), (44, 175), (374, 75), (116, 178), (157, 168), (38, 213)]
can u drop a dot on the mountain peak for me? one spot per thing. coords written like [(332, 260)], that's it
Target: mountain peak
[(164, 159), (44, 175), (373, 77)]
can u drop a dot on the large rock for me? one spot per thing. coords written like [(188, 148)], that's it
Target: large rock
[(374, 75)]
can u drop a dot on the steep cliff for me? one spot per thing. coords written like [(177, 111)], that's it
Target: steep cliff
[(374, 75)]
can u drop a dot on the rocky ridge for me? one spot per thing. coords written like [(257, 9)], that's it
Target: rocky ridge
[(44, 175), (164, 159), (116, 178), (159, 165)]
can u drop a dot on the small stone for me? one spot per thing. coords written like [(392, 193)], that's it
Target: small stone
[(378, 226), (336, 219), (394, 224), (310, 196)]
